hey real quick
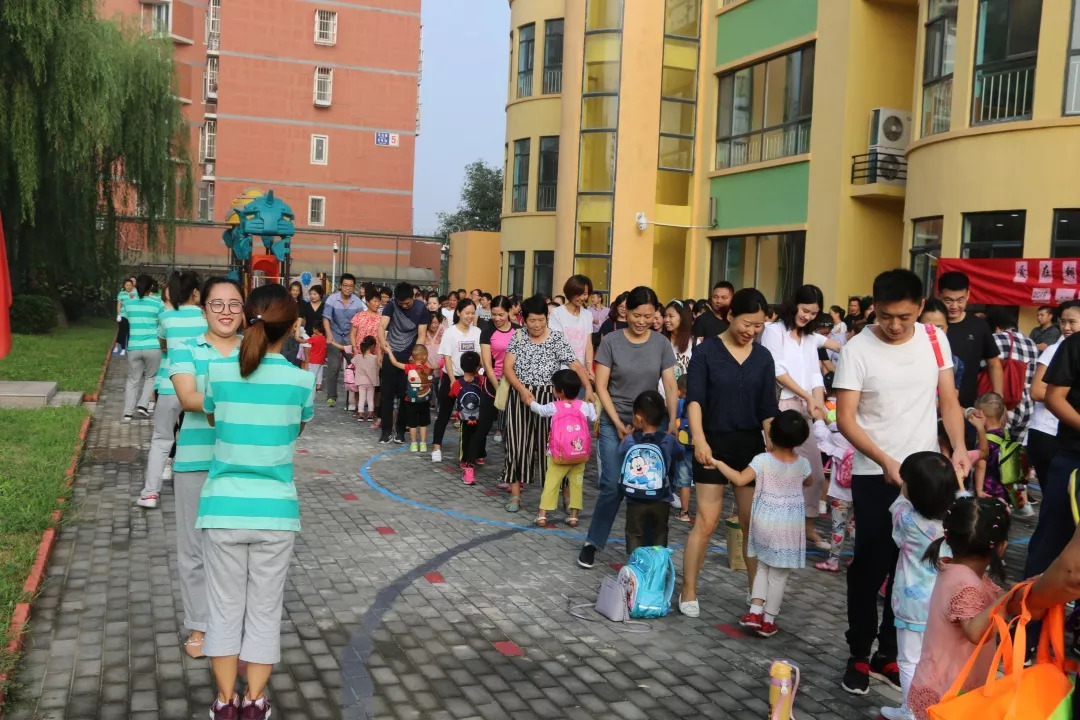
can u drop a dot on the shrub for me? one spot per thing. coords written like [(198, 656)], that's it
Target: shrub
[(32, 314)]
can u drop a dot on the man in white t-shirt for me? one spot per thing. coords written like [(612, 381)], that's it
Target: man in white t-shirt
[(888, 384), (575, 322)]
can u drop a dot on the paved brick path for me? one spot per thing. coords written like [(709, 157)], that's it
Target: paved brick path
[(395, 610)]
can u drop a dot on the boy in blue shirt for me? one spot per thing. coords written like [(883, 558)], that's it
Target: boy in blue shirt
[(684, 469), (648, 458)]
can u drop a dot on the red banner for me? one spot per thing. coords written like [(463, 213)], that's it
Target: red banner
[(1014, 281)]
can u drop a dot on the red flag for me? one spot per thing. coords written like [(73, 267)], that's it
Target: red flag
[(5, 297)]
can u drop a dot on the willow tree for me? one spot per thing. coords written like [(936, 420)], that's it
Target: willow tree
[(88, 123)]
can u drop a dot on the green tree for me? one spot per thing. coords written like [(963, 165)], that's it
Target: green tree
[(88, 121), (481, 201)]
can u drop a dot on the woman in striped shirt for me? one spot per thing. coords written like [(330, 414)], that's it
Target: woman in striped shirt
[(144, 349), (176, 326)]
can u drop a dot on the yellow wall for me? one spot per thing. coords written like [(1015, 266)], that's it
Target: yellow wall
[(531, 233), (474, 260), (570, 124)]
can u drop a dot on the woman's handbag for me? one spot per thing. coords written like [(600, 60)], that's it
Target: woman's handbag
[(1042, 691), (502, 394)]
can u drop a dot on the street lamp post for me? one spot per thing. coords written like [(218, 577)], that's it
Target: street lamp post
[(333, 269)]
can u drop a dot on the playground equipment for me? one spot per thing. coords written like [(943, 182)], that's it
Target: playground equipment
[(254, 215)]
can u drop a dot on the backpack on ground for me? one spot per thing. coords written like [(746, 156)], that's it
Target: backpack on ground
[(649, 580), (570, 442), (644, 473), (842, 470), (1013, 377), (1010, 458), (468, 400)]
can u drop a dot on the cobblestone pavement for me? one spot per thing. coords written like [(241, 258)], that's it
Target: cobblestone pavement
[(410, 596)]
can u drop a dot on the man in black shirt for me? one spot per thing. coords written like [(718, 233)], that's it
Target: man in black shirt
[(713, 323), (854, 311), (970, 338)]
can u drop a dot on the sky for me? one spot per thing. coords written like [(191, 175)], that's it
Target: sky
[(463, 100)]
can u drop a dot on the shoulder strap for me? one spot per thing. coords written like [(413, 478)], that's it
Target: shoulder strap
[(931, 332)]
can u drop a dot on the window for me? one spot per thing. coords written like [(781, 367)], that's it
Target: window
[(1072, 75), (160, 20), (765, 110), (548, 185), (206, 202), (515, 273), (1006, 48), (678, 86), (324, 86), (325, 27), (1065, 240), (925, 250), (320, 149), (543, 271), (993, 235), (212, 65), (316, 210), (938, 61), (520, 192), (526, 48), (553, 41), (603, 15), (213, 24), (209, 140), (771, 263)]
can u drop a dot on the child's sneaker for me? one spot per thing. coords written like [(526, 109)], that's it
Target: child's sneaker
[(413, 447), (752, 620), (767, 629), (148, 501), (255, 709), (468, 476), (896, 713), (828, 566), (436, 456), (167, 473), (498, 437), (423, 447), (350, 408), (225, 711)]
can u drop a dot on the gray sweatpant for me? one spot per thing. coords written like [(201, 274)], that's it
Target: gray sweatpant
[(187, 488), (245, 584), (142, 367), (166, 414)]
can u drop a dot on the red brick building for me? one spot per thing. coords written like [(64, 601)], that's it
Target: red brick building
[(317, 99)]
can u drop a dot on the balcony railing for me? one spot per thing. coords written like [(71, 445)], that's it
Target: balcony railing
[(209, 167), (552, 81), (545, 197), (213, 41), (769, 144), (878, 167), (524, 84), (937, 107), (1003, 92), (520, 200)]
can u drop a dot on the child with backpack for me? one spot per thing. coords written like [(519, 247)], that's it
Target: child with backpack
[(684, 469), (1002, 475), (928, 492), (648, 458), (417, 405), (841, 460), (569, 444), (466, 392), (777, 517)]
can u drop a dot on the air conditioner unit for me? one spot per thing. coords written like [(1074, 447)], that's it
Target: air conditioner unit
[(890, 169), (890, 130)]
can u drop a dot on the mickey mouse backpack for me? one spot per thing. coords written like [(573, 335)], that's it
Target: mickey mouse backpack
[(644, 473), (570, 442)]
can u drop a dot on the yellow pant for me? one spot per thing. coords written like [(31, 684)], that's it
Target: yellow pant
[(553, 485)]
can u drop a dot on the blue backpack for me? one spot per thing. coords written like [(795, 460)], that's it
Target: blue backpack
[(649, 580), (644, 474)]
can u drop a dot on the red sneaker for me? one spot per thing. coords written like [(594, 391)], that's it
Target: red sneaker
[(468, 476), (751, 620), (767, 629)]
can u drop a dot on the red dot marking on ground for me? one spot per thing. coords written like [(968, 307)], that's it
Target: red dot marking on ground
[(509, 649), (434, 578), (616, 566), (350, 496), (732, 631), (323, 472), (302, 452), (491, 493), (385, 530)]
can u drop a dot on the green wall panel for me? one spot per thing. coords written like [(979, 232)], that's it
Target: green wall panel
[(761, 24), (771, 196)]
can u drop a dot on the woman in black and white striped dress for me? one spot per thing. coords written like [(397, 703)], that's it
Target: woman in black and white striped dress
[(531, 359)]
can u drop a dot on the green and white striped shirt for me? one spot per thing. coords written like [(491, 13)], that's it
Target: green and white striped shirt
[(195, 443), (256, 422), (142, 315), (176, 327)]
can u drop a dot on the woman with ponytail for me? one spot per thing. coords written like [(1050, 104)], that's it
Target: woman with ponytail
[(176, 325), (461, 337), (249, 510), (144, 349)]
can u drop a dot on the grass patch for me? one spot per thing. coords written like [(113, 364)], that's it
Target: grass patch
[(71, 356), (35, 450)]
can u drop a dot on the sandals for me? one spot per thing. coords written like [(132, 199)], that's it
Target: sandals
[(541, 521), (514, 504), (572, 522)]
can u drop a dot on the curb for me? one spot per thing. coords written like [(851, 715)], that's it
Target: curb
[(21, 616), (87, 397)]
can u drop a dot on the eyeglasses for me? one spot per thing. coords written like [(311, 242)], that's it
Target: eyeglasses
[(218, 306)]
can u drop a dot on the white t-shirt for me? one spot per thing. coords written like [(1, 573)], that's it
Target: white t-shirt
[(838, 334), (578, 330), (454, 343), (797, 358), (898, 392), (448, 314), (1041, 418)]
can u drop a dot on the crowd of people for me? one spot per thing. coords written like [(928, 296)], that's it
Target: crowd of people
[(905, 417)]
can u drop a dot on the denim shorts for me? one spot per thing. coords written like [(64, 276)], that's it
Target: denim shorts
[(684, 469)]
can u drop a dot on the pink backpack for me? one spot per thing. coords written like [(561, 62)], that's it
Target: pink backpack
[(570, 442), (842, 471)]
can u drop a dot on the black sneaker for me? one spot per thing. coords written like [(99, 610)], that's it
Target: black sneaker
[(143, 412), (856, 677), (399, 439), (885, 670), (384, 439), (587, 557)]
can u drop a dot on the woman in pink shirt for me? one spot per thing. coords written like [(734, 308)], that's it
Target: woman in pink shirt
[(493, 343)]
